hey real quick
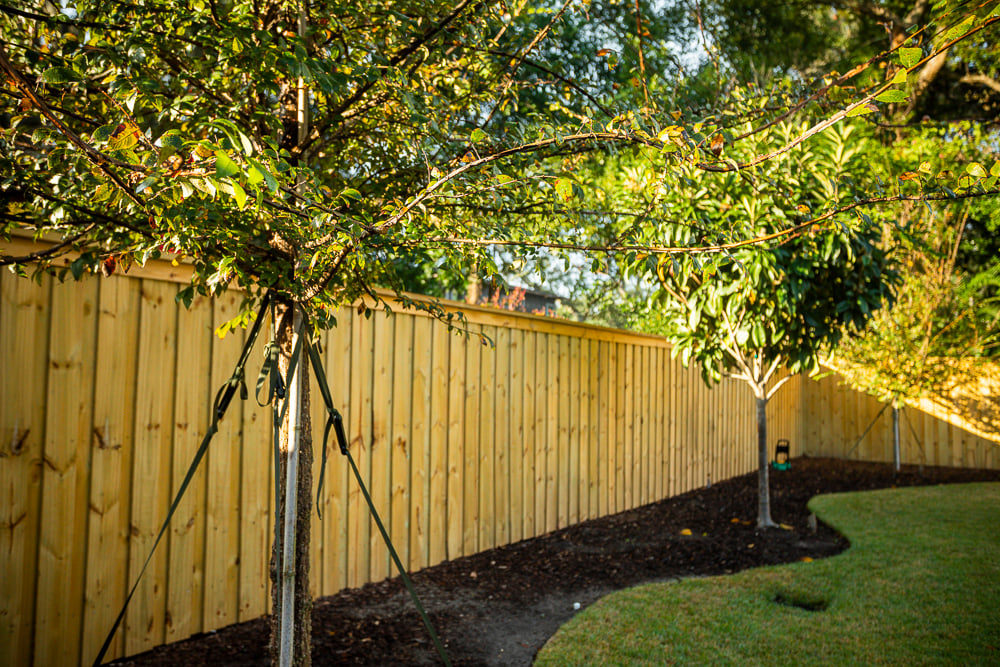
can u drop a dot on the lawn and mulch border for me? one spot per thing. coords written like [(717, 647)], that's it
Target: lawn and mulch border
[(500, 606), (919, 585)]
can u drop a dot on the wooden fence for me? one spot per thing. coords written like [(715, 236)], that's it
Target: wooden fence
[(105, 395), (827, 418)]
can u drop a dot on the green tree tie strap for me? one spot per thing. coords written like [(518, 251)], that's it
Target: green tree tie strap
[(336, 422), (399, 565), (222, 400)]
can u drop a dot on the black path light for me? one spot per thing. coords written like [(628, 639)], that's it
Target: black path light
[(781, 461)]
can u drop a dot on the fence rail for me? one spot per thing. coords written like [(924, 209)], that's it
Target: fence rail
[(106, 392)]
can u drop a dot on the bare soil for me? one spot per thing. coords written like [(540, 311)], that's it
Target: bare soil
[(500, 606)]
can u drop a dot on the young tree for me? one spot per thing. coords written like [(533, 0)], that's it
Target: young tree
[(945, 317), (752, 312)]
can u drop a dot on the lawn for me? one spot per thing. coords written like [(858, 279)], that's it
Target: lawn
[(920, 584)]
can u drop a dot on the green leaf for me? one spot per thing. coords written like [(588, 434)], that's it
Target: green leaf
[(694, 317), (224, 166), (564, 188), (477, 135), (247, 144), (57, 75), (263, 174), (893, 96), (254, 176), (103, 133), (125, 136), (239, 194), (145, 184), (976, 170), (350, 193), (861, 110), (910, 56), (171, 138), (900, 77), (960, 29)]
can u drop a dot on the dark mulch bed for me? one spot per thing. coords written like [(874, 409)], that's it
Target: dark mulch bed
[(500, 606)]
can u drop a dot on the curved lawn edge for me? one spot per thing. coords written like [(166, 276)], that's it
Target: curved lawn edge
[(920, 584)]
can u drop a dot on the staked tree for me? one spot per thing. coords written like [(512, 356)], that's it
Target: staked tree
[(760, 313)]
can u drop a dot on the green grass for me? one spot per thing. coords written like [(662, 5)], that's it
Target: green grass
[(920, 585)]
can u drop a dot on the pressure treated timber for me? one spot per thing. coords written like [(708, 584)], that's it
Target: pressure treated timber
[(471, 441), (360, 435), (65, 480), (501, 499), (439, 447), (456, 448), (485, 476), (381, 442), (516, 455), (24, 331), (567, 422), (222, 513), (401, 452), (193, 396), (418, 535)]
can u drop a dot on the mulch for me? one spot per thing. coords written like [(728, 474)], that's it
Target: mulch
[(500, 606)]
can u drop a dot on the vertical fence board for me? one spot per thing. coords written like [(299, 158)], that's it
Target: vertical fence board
[(487, 442), (151, 464), (192, 401), (440, 446), (340, 375), (516, 420), (24, 330), (470, 477), (256, 508), (381, 443), (223, 493), (660, 403), (456, 446), (603, 434), (317, 418), (589, 435), (572, 429), (593, 425), (110, 465), (402, 440), (673, 410), (529, 526), (68, 435), (501, 439), (618, 427), (360, 433), (551, 439), (420, 444)]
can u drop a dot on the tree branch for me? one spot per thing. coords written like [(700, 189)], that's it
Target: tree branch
[(7, 260), (981, 80), (96, 157)]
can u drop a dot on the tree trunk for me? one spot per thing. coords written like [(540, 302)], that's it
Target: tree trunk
[(763, 485), (474, 288), (895, 435), (302, 599)]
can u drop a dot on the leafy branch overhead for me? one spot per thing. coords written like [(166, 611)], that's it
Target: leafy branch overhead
[(439, 131)]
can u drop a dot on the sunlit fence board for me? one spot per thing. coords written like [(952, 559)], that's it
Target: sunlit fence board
[(107, 392)]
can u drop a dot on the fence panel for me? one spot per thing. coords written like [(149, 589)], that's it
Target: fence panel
[(107, 391)]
